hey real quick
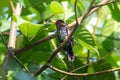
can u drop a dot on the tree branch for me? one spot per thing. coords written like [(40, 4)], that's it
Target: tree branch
[(82, 74), (86, 65), (11, 44), (13, 28), (99, 5), (34, 44)]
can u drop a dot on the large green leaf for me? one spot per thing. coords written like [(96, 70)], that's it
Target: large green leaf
[(56, 8), (84, 37), (19, 20), (29, 29)]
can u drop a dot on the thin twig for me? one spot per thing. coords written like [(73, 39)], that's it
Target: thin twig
[(82, 74), (76, 26), (95, 8), (99, 5), (97, 22), (86, 68), (75, 12), (91, 63), (12, 6)]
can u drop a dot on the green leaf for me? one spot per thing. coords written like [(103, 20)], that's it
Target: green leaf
[(38, 54), (27, 3), (56, 8), (80, 4), (29, 29), (5, 25), (19, 20), (2, 52), (109, 27), (24, 3), (14, 18), (85, 38), (21, 41), (115, 10), (57, 62), (108, 44), (101, 66)]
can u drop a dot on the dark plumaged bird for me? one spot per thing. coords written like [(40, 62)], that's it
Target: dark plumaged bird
[(62, 33)]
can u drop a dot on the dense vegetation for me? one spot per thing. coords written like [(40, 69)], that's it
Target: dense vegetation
[(29, 48)]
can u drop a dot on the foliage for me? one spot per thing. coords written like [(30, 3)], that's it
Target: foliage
[(98, 33)]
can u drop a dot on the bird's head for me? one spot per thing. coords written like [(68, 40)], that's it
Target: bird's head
[(60, 23)]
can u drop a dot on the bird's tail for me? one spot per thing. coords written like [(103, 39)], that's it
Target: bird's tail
[(70, 55)]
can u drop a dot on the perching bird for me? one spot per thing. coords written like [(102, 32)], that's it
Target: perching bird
[(62, 33)]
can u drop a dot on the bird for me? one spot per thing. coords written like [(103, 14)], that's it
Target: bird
[(62, 33)]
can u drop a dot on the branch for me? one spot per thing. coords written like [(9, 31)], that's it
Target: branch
[(86, 68), (85, 65), (75, 12), (11, 52), (11, 44), (94, 8), (99, 5), (34, 44), (82, 74), (12, 6), (13, 28)]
